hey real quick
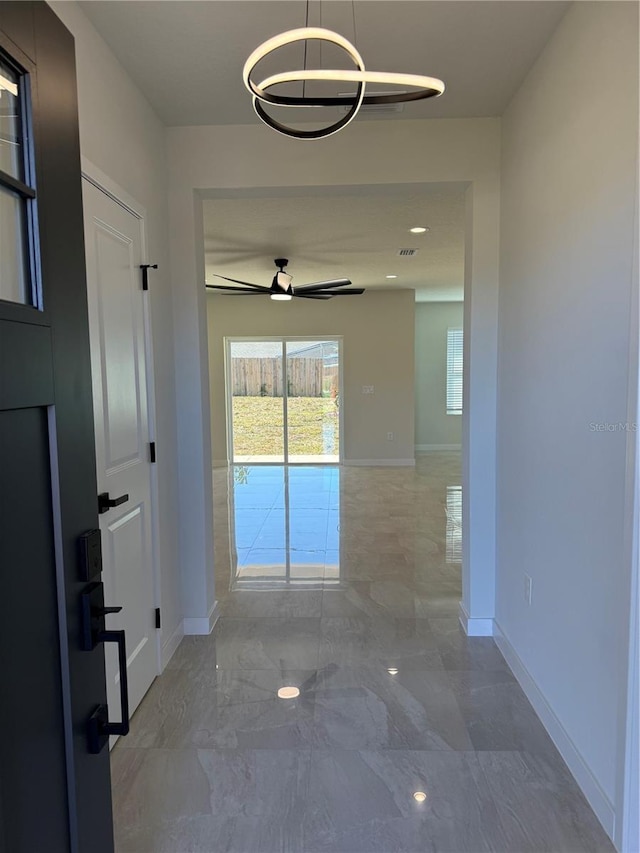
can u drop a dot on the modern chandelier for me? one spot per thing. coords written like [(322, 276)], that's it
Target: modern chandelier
[(422, 87)]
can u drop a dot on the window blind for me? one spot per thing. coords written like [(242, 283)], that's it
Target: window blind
[(454, 371)]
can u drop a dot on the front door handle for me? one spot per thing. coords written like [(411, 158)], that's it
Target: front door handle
[(105, 502), (99, 727), (93, 612), (93, 632)]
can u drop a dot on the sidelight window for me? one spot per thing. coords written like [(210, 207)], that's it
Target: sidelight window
[(18, 259)]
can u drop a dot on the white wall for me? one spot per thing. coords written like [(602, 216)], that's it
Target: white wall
[(569, 144), (121, 135), (434, 427), (231, 157), (377, 330)]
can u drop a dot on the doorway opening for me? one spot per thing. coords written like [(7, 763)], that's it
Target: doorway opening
[(284, 400)]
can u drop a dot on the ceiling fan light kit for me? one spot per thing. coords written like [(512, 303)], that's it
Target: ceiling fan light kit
[(282, 290), (422, 87)]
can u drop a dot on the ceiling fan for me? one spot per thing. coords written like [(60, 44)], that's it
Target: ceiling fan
[(282, 290)]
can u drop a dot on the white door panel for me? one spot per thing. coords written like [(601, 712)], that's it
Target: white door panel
[(118, 362), (119, 303)]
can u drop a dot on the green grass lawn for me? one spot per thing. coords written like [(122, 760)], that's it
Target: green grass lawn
[(258, 428)]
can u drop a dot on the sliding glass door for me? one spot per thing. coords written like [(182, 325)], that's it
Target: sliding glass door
[(313, 401), (284, 400), (254, 385)]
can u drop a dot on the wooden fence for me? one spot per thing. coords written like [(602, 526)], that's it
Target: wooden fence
[(262, 377)]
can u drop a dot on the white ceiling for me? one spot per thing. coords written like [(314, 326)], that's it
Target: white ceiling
[(346, 232), (187, 58)]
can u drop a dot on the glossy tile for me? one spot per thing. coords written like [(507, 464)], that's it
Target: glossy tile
[(309, 520), (272, 602), (541, 808), (382, 641), (370, 708), (226, 709), (386, 597), (438, 603), (209, 800), (345, 584), (498, 714), (268, 643), (362, 802), (305, 540), (460, 652), (195, 655)]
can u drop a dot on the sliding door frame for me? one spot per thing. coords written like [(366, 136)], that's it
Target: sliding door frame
[(283, 340)]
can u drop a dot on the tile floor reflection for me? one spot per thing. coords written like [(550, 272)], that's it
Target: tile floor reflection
[(343, 583), (283, 526)]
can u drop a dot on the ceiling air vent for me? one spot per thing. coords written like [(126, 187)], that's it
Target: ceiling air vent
[(407, 253), (372, 108)]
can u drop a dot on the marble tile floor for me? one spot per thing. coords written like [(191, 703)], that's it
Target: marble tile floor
[(361, 617)]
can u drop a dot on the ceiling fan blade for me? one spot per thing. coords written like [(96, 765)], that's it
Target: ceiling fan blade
[(236, 290), (237, 281), (349, 291), (314, 295), (323, 285)]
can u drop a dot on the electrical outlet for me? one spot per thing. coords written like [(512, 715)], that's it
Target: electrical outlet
[(389, 436), (528, 583), (367, 389)]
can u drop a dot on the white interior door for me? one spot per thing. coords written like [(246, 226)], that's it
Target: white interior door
[(118, 361)]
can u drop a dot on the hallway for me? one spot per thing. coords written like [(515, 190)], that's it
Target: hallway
[(343, 583)]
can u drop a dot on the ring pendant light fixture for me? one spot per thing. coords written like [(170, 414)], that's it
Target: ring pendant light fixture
[(422, 86)]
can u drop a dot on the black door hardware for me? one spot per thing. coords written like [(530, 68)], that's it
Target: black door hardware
[(90, 547), (93, 632), (105, 502), (93, 613), (145, 274), (98, 726)]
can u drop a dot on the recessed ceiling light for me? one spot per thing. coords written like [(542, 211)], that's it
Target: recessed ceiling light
[(419, 796), (392, 671), (418, 230), (288, 693), (391, 276)]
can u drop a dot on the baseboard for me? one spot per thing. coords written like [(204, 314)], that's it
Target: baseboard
[(430, 448), (597, 798), (201, 625), (474, 627), (375, 463), (171, 644)]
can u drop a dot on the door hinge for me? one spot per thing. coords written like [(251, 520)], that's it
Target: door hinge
[(145, 274), (157, 617), (152, 451)]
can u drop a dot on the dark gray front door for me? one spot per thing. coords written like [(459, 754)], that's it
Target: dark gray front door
[(54, 793)]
